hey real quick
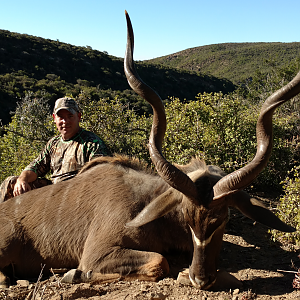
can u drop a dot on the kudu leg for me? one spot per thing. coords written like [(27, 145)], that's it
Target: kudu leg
[(4, 281), (125, 264), (9, 246)]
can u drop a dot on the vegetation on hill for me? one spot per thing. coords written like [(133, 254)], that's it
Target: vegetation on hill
[(29, 63), (237, 62), (216, 127)]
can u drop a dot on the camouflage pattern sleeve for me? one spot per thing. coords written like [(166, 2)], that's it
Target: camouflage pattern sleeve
[(41, 165), (97, 148)]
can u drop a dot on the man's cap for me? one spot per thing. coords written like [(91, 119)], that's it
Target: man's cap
[(66, 103)]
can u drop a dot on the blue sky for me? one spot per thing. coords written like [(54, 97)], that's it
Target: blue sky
[(161, 27)]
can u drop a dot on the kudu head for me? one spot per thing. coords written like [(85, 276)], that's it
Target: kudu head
[(204, 195)]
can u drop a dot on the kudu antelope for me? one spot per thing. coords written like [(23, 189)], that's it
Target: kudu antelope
[(117, 217)]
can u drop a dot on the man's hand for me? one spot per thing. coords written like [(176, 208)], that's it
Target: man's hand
[(21, 187)]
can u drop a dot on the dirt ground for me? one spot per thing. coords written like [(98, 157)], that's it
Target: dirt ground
[(247, 253)]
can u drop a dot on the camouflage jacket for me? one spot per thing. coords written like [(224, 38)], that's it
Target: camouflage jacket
[(65, 158)]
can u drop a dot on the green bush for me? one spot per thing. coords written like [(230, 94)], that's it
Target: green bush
[(121, 128), (288, 209), (215, 127), (218, 128), (221, 129), (32, 126), (25, 135)]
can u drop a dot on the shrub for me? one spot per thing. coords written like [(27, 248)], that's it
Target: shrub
[(215, 127), (120, 127), (25, 135), (32, 126), (218, 128), (288, 209), (222, 130)]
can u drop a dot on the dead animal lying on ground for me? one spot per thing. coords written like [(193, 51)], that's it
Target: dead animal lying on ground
[(117, 217)]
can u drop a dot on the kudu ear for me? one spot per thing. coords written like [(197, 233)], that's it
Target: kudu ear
[(157, 208), (254, 209)]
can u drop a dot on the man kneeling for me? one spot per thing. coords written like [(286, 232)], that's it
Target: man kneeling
[(64, 155)]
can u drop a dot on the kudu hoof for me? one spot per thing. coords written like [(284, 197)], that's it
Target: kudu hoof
[(4, 281), (76, 276), (4, 284)]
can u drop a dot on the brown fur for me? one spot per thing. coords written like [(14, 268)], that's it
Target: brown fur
[(82, 223), (117, 159)]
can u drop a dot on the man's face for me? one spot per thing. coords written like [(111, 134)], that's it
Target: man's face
[(67, 123)]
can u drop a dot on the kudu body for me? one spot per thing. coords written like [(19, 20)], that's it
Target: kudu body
[(117, 217)]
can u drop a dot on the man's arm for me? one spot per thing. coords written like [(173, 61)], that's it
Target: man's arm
[(22, 184), (98, 148)]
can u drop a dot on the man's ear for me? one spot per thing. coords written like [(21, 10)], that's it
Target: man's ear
[(53, 115), (79, 116)]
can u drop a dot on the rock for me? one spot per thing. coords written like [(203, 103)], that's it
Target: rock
[(235, 292), (23, 283), (183, 277), (158, 296)]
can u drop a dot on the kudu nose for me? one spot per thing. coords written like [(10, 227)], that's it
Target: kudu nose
[(203, 283)]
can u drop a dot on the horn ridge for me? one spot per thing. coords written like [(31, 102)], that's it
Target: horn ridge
[(173, 176), (241, 178)]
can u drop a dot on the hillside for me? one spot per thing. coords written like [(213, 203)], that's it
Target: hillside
[(29, 63), (53, 69), (233, 61)]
